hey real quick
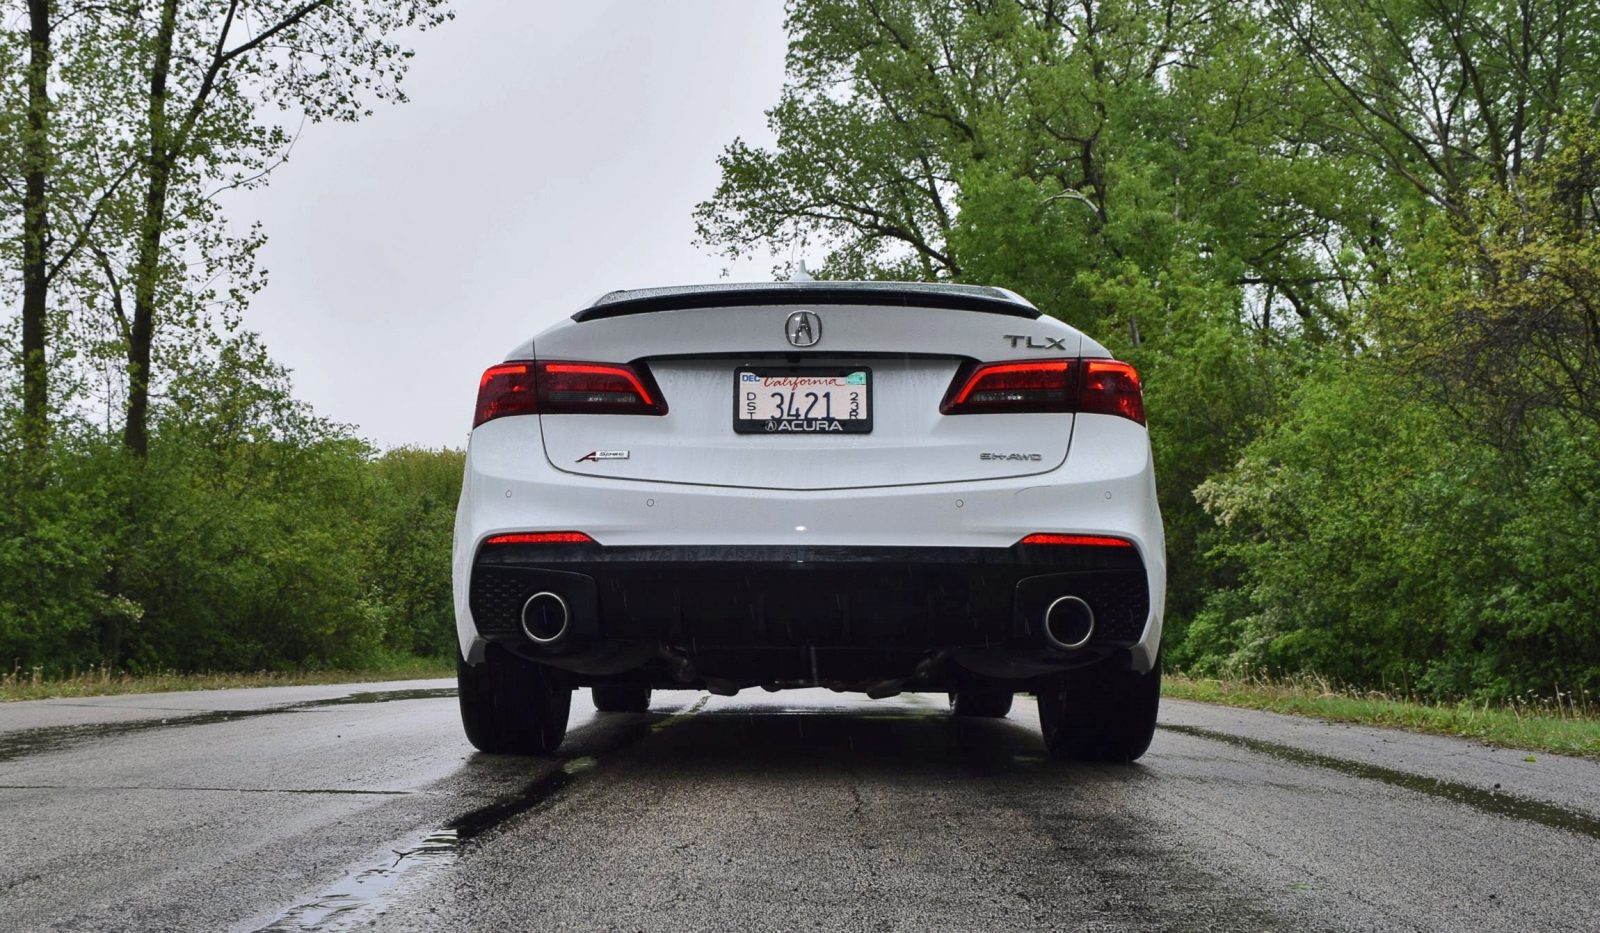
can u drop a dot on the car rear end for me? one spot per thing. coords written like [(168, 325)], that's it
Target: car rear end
[(868, 487)]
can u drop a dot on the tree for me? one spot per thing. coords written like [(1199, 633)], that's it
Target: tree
[(213, 68), (49, 181), (1148, 170), (130, 119), (1499, 315), (35, 151), (1446, 94)]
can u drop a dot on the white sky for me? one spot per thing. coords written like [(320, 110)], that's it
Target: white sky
[(550, 151)]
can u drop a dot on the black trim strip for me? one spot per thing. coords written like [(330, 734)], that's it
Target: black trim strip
[(761, 297)]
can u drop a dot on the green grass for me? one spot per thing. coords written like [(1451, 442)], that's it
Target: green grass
[(1565, 724), (20, 684)]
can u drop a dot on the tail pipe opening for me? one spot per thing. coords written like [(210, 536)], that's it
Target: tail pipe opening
[(1068, 623), (545, 618)]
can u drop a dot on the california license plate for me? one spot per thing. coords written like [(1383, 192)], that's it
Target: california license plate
[(795, 401)]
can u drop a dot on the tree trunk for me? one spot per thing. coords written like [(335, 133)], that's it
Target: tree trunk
[(147, 267), (36, 244)]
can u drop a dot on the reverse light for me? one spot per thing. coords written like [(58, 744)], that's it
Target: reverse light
[(566, 388), (1107, 387), (541, 537), (1059, 540)]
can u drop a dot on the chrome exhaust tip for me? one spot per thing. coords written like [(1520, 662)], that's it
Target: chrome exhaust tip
[(545, 618), (1068, 623)]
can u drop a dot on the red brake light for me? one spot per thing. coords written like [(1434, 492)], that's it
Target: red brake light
[(506, 390), (530, 387), (1043, 385), (1111, 388), (1105, 387), (542, 537), (1085, 540)]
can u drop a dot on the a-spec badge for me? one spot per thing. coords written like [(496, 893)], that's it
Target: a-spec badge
[(597, 455), (803, 328)]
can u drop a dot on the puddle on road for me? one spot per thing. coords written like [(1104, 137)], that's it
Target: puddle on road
[(54, 738), (344, 904), (361, 897), (163, 788), (1495, 802), (483, 819), (376, 696)]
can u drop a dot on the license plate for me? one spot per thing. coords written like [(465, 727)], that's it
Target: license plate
[(802, 401)]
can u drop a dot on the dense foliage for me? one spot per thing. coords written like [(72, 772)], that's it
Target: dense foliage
[(1353, 246), (227, 553), (254, 536)]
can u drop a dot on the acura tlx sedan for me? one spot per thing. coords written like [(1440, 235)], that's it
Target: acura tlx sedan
[(872, 487)]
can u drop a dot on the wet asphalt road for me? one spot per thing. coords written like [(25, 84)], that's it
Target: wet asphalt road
[(357, 807)]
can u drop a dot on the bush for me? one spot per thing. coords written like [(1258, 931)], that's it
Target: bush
[(227, 550), (1378, 545)]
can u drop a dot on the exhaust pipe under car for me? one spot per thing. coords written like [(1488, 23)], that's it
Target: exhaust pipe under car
[(1068, 623), (545, 618)]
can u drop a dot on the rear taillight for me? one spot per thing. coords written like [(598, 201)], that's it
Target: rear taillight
[(563, 388), (1111, 388), (1045, 385), (1100, 386), (506, 390), (597, 389)]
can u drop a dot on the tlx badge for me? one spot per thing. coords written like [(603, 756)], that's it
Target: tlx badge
[(1040, 343)]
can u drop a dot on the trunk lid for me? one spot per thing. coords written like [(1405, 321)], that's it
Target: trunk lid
[(910, 354)]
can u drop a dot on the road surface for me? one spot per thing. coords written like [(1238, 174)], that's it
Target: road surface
[(362, 807)]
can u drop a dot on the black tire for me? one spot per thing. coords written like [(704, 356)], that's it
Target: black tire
[(989, 704), (620, 698), (511, 706), (1100, 713)]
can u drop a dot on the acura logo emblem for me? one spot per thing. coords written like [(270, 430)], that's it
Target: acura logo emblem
[(803, 328)]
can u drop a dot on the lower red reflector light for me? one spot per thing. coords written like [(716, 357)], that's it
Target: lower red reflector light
[(542, 537), (1088, 540)]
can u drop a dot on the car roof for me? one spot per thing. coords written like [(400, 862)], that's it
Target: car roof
[(983, 298)]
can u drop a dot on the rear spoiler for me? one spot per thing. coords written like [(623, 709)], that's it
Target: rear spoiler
[(892, 294)]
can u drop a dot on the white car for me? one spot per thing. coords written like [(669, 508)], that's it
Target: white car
[(868, 486)]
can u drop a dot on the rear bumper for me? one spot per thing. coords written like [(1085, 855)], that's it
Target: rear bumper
[(737, 558), (783, 615)]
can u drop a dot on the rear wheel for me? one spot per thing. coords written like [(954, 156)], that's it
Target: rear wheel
[(511, 706), (990, 704), (1100, 713), (620, 698)]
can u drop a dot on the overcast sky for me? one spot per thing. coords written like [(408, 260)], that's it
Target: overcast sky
[(551, 151)]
